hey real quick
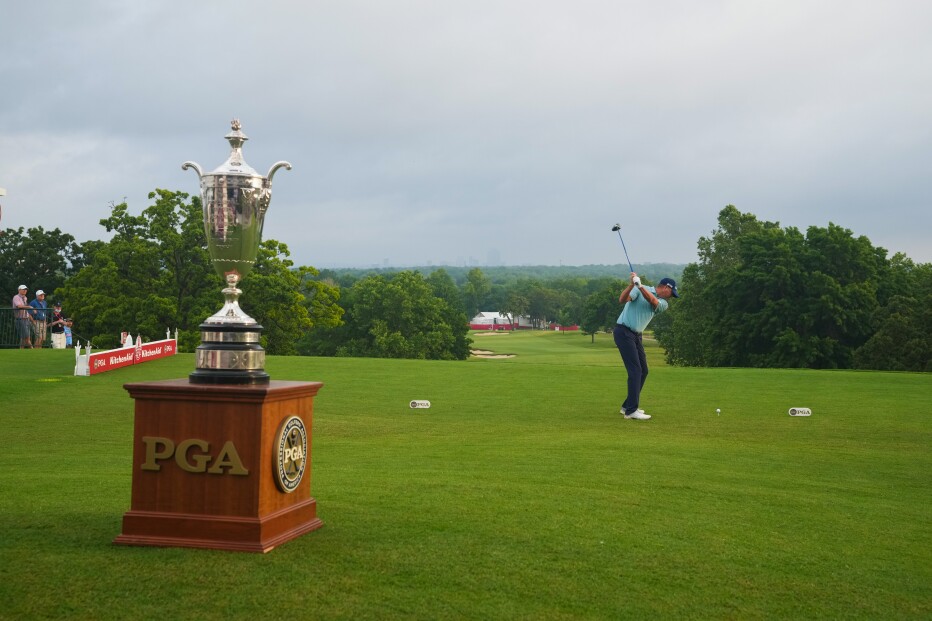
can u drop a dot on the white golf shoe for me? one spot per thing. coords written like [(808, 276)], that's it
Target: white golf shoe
[(638, 415)]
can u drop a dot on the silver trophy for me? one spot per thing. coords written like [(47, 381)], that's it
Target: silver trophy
[(235, 198)]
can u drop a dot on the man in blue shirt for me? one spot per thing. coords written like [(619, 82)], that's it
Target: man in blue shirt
[(642, 303), (39, 325)]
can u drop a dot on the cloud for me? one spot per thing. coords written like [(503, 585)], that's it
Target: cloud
[(435, 132)]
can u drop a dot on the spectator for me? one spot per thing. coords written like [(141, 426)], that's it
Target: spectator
[(40, 314), (59, 325), (23, 318)]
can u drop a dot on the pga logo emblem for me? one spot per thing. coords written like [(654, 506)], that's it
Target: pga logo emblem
[(290, 454)]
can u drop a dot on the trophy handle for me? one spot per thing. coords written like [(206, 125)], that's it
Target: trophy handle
[(275, 167), (193, 165)]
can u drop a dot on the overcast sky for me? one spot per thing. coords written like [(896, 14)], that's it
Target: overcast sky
[(478, 132)]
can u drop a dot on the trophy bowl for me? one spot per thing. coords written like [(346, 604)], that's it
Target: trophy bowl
[(235, 198)]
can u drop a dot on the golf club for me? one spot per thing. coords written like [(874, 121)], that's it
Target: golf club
[(617, 229)]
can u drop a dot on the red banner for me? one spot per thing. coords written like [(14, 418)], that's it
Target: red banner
[(116, 358), (157, 349), (109, 360)]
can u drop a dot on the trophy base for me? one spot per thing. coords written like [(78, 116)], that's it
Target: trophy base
[(219, 377), (199, 499), (229, 354)]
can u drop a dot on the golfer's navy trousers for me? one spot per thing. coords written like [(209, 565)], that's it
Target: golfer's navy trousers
[(631, 347)]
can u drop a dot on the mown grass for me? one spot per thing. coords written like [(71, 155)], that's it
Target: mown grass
[(520, 494)]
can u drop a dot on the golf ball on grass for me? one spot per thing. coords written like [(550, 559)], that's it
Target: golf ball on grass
[(718, 411)]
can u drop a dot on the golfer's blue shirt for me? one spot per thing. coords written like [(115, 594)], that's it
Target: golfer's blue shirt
[(638, 312)]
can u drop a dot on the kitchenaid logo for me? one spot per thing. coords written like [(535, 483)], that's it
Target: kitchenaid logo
[(290, 454), (102, 362)]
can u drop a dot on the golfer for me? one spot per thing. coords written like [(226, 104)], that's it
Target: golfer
[(641, 304)]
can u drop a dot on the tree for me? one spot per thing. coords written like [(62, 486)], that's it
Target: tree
[(544, 305), (842, 306), (682, 335), (516, 305), (687, 341), (37, 258), (765, 296), (277, 294), (570, 308), (321, 297), (903, 342), (475, 291), (903, 339), (401, 317), (445, 288), (155, 274), (601, 309), (186, 274)]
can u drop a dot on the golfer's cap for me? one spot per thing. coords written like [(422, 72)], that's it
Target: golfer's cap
[(40, 292), (23, 287), (672, 283), (57, 304)]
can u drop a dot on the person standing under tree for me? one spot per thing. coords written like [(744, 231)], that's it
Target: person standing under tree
[(58, 325), (23, 317), (40, 325), (642, 303)]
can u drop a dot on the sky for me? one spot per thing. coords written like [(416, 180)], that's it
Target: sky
[(480, 132)]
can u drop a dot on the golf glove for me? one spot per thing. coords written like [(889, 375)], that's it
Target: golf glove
[(637, 281)]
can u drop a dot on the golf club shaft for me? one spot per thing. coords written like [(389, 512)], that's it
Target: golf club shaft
[(625, 249)]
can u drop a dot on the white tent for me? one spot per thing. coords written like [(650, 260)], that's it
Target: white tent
[(490, 319)]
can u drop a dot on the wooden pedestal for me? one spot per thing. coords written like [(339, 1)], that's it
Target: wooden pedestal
[(205, 460)]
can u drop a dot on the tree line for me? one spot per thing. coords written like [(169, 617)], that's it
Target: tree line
[(759, 295), (155, 273)]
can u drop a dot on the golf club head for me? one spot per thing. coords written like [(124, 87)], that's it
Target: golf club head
[(617, 227)]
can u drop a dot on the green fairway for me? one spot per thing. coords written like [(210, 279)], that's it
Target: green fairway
[(520, 494)]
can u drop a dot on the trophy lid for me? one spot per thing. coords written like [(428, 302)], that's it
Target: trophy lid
[(235, 164)]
